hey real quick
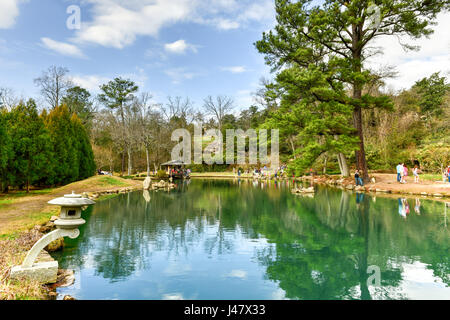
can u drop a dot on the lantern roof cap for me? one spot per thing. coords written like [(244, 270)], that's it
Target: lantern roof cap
[(71, 200)]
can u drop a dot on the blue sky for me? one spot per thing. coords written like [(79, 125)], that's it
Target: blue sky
[(204, 49), (189, 48)]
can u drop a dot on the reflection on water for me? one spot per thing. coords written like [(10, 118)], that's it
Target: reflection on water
[(243, 239)]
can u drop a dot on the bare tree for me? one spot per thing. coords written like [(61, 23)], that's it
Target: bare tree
[(218, 108), (178, 110), (147, 122), (7, 98), (53, 84)]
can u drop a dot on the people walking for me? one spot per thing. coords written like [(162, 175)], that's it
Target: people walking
[(405, 172), (399, 172), (416, 174)]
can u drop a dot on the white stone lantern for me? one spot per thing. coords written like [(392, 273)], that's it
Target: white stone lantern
[(67, 226)]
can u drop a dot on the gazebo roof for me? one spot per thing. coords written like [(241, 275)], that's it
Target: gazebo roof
[(174, 163)]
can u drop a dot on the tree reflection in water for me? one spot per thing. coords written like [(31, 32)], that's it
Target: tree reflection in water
[(318, 248)]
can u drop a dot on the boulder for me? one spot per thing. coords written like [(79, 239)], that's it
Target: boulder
[(56, 245), (46, 228), (65, 278), (43, 272), (308, 190)]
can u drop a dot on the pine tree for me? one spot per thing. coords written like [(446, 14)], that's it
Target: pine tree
[(31, 145), (65, 146), (338, 35), (311, 114), (85, 155), (78, 100), (5, 151)]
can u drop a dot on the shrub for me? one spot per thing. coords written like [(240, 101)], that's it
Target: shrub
[(161, 174)]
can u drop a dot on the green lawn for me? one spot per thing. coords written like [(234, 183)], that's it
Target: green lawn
[(110, 181), (430, 177)]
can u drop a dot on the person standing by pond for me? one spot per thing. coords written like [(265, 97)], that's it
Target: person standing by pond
[(399, 172), (358, 179)]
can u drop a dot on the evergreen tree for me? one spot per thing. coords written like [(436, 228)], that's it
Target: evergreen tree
[(312, 114), (78, 101), (65, 146), (31, 145), (337, 35), (432, 91), (5, 151), (85, 154)]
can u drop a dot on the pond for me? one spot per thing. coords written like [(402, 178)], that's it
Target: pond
[(241, 239)]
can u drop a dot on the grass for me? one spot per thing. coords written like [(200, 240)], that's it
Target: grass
[(12, 253), (430, 177), (110, 181), (6, 201), (27, 210), (20, 194)]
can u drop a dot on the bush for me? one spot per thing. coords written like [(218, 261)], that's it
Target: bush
[(161, 174)]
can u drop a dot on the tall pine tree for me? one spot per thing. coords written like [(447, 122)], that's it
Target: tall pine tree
[(32, 151), (340, 33), (5, 151)]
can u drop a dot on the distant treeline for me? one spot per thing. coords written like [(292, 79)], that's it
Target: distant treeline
[(47, 149)]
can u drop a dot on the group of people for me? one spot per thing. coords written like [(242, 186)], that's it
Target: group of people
[(175, 172), (402, 173), (403, 207)]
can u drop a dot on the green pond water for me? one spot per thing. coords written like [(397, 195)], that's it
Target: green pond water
[(230, 239)]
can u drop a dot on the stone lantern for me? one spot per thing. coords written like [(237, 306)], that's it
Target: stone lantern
[(67, 226)]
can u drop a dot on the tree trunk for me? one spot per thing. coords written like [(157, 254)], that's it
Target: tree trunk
[(130, 166), (361, 163), (5, 187), (148, 161), (343, 165), (325, 165), (123, 162)]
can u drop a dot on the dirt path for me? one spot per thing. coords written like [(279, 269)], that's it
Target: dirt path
[(25, 211), (389, 182)]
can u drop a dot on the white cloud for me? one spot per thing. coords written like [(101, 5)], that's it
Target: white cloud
[(179, 74), (117, 23), (179, 47), (173, 296), (225, 24), (63, 48), (90, 82), (9, 10), (433, 56), (235, 69), (240, 274), (93, 82)]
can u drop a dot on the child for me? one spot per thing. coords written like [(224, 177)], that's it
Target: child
[(416, 174), (405, 173)]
